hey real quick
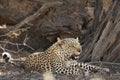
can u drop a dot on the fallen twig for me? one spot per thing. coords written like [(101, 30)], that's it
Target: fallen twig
[(24, 43)]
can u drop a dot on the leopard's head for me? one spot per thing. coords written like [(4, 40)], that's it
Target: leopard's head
[(70, 46)]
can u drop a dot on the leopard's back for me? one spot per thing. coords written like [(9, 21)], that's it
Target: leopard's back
[(42, 62)]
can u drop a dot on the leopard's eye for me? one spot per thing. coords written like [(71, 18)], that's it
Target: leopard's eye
[(74, 46)]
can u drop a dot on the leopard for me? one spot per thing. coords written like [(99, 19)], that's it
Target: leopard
[(55, 58)]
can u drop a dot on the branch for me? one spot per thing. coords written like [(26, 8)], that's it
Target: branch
[(40, 13), (98, 34), (103, 45)]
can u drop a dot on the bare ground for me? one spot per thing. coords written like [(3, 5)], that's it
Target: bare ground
[(10, 72)]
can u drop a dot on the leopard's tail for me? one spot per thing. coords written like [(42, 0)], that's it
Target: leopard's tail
[(6, 56)]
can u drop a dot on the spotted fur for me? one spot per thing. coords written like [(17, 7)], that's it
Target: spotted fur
[(55, 58)]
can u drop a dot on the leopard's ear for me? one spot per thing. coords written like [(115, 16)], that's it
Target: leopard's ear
[(58, 39), (77, 39)]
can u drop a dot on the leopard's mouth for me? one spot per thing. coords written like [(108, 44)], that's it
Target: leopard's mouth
[(74, 57)]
